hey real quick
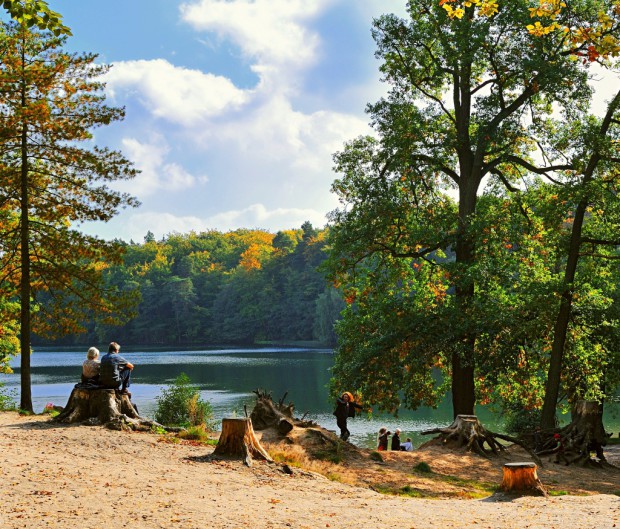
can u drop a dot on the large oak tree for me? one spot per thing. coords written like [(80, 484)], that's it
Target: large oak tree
[(471, 93)]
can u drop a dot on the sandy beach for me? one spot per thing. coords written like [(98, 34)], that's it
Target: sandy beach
[(61, 476)]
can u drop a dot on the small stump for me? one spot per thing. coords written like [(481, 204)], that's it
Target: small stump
[(238, 440), (521, 478)]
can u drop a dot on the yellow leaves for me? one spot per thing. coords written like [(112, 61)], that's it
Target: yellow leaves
[(538, 30), (485, 8), (547, 9)]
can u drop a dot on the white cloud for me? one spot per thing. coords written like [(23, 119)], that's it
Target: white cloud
[(270, 31), (136, 225), (182, 96), (156, 174), (276, 132)]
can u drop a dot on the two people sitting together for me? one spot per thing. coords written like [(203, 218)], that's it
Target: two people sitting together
[(111, 372)]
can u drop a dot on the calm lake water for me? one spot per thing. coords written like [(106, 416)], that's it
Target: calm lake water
[(227, 377)]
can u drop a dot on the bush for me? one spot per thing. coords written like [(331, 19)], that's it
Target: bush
[(7, 399), (520, 421), (180, 405)]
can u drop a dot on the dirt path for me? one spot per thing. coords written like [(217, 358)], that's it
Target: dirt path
[(78, 476)]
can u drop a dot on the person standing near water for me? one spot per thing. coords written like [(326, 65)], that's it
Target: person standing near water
[(345, 408)]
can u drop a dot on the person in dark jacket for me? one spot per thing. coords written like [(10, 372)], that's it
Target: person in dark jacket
[(396, 440), (382, 439), (345, 408)]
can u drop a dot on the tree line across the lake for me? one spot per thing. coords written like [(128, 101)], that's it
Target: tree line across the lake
[(240, 287)]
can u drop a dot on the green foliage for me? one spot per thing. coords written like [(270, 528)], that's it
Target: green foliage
[(197, 433), (466, 295), (520, 421), (55, 178), (180, 405), (244, 286), (7, 399), (36, 13)]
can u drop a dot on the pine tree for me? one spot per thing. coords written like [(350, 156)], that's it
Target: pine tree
[(52, 178)]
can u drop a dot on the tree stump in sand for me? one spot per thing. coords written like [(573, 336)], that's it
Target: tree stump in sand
[(522, 478), (103, 406), (238, 440), (270, 414), (467, 431)]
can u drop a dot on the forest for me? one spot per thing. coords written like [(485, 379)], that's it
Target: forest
[(240, 287)]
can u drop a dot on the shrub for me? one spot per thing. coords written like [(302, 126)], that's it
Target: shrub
[(520, 421), (423, 467), (180, 405), (7, 399)]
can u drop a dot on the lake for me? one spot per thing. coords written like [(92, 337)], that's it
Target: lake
[(227, 377)]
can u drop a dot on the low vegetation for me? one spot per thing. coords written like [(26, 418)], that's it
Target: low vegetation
[(180, 405)]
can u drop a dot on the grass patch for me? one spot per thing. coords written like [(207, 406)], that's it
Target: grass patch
[(557, 493), (332, 454), (423, 467), (616, 492), (197, 433), (613, 441), (296, 456), (376, 456), (407, 491), (470, 488)]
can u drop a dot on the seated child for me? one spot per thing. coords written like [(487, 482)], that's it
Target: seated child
[(91, 366), (407, 446)]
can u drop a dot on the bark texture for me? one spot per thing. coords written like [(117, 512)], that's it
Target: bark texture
[(582, 438), (104, 406), (521, 478), (238, 440), (468, 432), (270, 414)]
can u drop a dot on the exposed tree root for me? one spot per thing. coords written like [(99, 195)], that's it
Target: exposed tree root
[(467, 432), (107, 407)]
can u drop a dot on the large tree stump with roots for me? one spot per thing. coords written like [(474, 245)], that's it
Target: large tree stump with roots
[(270, 414), (238, 440), (584, 435), (466, 431), (104, 406), (521, 478)]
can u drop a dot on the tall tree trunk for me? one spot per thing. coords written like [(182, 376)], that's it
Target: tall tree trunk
[(554, 374), (25, 290), (463, 361)]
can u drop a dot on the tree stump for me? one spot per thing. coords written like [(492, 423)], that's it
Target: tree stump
[(467, 431), (522, 478), (270, 414), (104, 406), (238, 440)]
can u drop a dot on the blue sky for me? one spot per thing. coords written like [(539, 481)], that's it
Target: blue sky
[(234, 107)]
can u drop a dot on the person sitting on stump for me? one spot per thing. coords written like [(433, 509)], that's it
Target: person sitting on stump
[(345, 408), (90, 367), (115, 370)]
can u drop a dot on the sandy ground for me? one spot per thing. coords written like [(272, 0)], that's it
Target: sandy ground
[(78, 477)]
